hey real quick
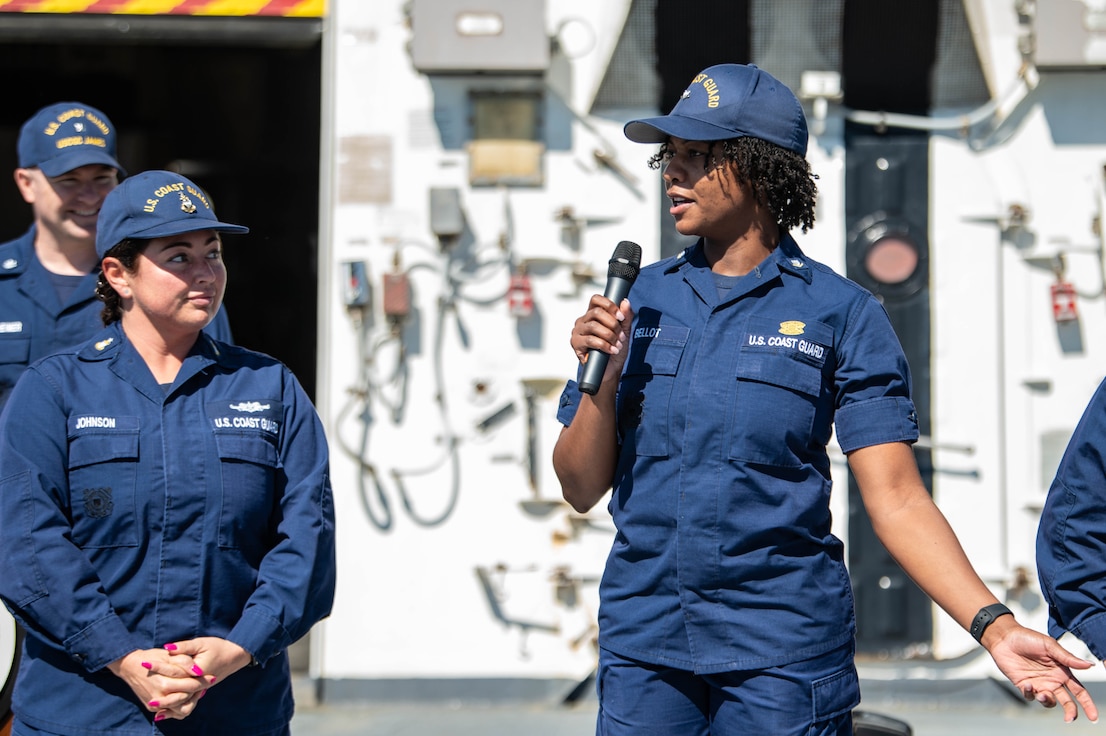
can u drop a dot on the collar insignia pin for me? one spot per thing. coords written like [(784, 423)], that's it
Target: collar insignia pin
[(104, 343)]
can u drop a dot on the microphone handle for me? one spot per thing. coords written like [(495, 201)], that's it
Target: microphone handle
[(617, 289)]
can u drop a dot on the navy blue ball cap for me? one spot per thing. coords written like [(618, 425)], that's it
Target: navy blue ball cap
[(155, 204), (730, 101), (65, 136)]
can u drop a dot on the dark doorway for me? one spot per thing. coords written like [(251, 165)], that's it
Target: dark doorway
[(685, 44), (234, 105), (887, 251), (888, 54)]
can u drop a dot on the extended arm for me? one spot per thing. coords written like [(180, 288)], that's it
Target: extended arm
[(918, 536)]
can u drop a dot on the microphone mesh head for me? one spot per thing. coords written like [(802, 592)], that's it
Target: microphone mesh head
[(625, 262)]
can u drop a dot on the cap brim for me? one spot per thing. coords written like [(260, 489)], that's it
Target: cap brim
[(179, 227), (659, 129), (75, 160)]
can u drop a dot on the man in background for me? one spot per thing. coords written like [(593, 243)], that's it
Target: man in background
[(67, 165)]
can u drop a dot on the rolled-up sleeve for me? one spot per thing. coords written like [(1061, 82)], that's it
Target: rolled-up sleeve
[(873, 382), (569, 403), (875, 422)]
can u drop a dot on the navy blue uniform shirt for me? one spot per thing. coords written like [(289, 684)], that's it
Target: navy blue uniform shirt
[(723, 557), (1071, 537), (133, 514), (34, 324)]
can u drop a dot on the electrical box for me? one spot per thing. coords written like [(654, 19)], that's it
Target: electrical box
[(465, 36), (1071, 34), (447, 219), (397, 296), (355, 286)]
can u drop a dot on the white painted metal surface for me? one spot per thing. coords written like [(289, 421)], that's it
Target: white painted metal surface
[(454, 565)]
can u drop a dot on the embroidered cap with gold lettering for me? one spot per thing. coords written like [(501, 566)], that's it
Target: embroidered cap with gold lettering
[(156, 204), (730, 101), (66, 136)]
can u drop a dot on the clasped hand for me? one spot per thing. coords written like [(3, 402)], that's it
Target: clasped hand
[(171, 681)]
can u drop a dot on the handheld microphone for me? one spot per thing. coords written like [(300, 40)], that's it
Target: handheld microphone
[(622, 269)]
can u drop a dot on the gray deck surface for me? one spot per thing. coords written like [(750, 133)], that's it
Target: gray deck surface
[(974, 708)]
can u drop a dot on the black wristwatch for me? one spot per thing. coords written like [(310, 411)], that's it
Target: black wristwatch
[(985, 618)]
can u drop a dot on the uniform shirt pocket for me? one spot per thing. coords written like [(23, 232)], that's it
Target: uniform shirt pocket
[(15, 347), (781, 407), (103, 479), (15, 352), (246, 435), (645, 392)]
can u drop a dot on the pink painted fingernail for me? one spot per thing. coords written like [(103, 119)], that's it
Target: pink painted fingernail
[(171, 647), (159, 717), (147, 665), (153, 704), (196, 669)]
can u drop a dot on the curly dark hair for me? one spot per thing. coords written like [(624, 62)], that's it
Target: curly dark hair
[(127, 251), (781, 180)]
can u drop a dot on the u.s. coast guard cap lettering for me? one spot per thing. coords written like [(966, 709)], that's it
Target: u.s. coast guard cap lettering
[(65, 136), (156, 204), (730, 101)]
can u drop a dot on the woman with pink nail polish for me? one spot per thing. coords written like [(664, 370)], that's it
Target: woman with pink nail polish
[(166, 520)]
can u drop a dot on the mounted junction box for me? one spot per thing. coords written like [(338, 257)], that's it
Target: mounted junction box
[(1071, 34), (468, 36)]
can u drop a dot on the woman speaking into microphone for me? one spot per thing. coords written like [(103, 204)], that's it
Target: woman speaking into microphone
[(725, 605)]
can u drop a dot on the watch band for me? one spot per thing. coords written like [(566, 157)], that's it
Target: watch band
[(985, 618)]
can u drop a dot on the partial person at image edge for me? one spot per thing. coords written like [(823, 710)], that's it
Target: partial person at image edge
[(1071, 535)]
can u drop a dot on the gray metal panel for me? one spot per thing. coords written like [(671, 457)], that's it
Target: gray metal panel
[(630, 80), (957, 74), (793, 37), (790, 38), (1070, 34), (479, 35)]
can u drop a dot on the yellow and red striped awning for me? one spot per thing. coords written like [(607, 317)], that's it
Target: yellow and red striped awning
[(280, 8)]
